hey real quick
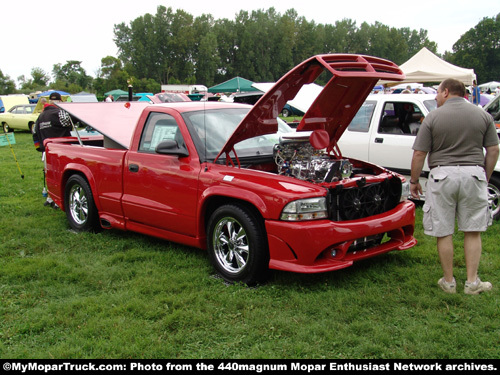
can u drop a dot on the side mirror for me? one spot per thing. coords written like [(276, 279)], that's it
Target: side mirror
[(170, 147)]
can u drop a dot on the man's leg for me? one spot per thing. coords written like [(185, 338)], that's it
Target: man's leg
[(445, 250), (472, 248)]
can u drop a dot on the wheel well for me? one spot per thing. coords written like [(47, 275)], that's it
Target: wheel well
[(217, 201), (67, 175)]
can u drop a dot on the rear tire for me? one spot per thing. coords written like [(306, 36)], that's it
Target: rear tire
[(79, 205), (285, 112), (237, 244), (494, 196)]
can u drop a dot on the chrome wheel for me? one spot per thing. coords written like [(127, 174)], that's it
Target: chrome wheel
[(237, 243), (78, 204), (494, 198), (231, 245)]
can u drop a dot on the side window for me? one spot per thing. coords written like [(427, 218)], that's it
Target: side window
[(494, 109), (400, 118), (389, 123), (159, 127), (361, 122)]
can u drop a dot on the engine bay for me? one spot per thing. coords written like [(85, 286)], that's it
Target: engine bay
[(296, 157)]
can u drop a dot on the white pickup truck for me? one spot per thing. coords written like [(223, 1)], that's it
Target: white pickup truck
[(383, 132)]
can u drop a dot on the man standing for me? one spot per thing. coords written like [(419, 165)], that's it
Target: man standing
[(454, 136), (476, 94), (53, 122)]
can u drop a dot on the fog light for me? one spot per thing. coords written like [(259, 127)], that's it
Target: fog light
[(333, 253)]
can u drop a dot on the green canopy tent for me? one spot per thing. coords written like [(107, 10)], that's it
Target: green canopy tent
[(236, 84), (116, 93)]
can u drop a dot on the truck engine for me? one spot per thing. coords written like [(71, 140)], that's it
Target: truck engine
[(296, 157)]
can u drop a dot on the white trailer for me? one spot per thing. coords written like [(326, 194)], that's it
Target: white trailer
[(184, 89)]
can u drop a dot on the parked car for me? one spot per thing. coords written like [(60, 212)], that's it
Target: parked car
[(288, 111), (248, 97), (383, 132), (233, 179), (9, 101), (170, 97), (493, 108), (20, 117)]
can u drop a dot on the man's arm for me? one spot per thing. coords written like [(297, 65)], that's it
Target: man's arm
[(36, 135), (417, 163), (490, 160)]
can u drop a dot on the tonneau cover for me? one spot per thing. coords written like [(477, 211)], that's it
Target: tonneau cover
[(116, 120)]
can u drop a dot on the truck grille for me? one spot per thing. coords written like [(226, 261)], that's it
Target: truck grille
[(364, 200)]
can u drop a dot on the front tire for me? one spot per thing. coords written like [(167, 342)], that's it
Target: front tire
[(494, 196), (79, 205), (6, 128), (237, 244)]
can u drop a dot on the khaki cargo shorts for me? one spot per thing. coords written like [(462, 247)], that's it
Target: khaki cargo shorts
[(456, 193)]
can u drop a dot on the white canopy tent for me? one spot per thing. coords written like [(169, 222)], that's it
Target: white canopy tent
[(489, 85), (304, 98), (425, 66)]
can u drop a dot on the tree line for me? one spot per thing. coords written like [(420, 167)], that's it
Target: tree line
[(172, 47)]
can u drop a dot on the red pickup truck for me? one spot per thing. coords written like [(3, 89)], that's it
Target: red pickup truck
[(235, 180)]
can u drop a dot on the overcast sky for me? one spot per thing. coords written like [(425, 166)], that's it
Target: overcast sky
[(43, 33)]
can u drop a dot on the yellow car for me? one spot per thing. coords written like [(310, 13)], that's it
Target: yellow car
[(20, 117)]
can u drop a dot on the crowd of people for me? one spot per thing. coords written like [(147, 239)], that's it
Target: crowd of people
[(472, 93)]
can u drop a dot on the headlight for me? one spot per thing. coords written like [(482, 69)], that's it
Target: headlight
[(305, 209), (405, 191)]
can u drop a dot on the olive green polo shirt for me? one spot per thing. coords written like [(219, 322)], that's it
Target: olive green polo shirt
[(455, 134)]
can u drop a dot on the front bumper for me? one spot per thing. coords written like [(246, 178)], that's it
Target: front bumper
[(324, 245)]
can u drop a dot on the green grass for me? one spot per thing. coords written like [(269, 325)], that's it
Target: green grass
[(125, 295)]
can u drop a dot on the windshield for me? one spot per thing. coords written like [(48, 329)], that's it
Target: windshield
[(430, 104), (361, 122), (493, 108), (211, 129)]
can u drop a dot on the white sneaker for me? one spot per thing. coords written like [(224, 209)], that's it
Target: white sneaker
[(446, 286), (477, 287)]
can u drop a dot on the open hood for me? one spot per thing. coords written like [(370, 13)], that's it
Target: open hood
[(116, 120), (350, 80)]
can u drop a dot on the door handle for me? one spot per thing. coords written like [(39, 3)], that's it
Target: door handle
[(379, 140), (133, 168)]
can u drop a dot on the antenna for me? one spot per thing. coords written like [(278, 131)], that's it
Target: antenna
[(205, 159)]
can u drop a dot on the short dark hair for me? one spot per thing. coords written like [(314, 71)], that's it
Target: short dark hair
[(454, 86)]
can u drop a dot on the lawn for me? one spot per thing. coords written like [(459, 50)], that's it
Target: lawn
[(124, 295)]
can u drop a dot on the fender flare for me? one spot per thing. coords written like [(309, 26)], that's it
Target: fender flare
[(72, 168), (229, 193)]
